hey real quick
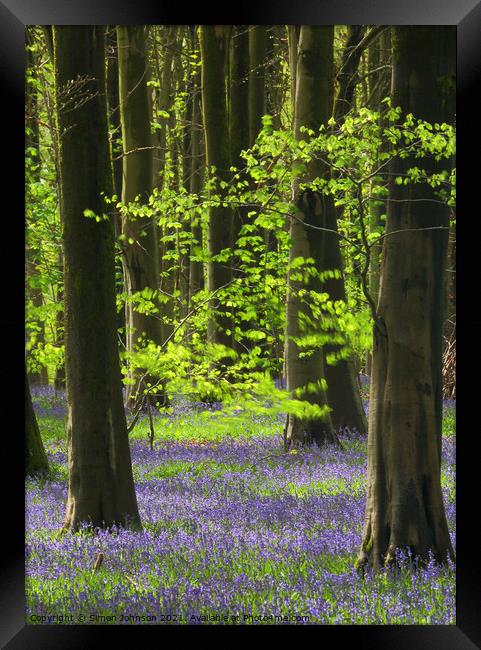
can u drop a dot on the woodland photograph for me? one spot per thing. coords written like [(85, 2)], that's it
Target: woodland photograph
[(240, 324)]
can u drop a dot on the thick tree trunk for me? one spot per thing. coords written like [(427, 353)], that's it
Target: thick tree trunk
[(305, 374), (405, 507), (101, 488), (36, 461), (213, 45), (141, 261)]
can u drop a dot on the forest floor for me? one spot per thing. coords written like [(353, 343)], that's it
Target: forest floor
[(234, 531)]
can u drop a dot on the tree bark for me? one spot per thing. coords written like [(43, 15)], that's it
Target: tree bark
[(141, 261), (257, 86), (101, 489), (343, 392), (115, 129), (34, 292), (293, 42), (405, 507), (196, 268), (36, 461), (213, 44), (348, 73), (312, 108), (378, 86)]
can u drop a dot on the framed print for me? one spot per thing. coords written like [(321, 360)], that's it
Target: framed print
[(240, 301)]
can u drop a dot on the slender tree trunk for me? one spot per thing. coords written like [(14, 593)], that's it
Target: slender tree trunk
[(36, 461), (185, 84), (163, 105), (257, 72), (348, 73), (274, 80), (449, 330), (101, 488), (114, 111), (293, 42), (239, 107), (59, 381), (141, 261), (117, 164), (34, 292), (404, 508), (240, 87), (343, 392), (305, 374), (213, 44), (163, 101), (196, 268), (378, 57)]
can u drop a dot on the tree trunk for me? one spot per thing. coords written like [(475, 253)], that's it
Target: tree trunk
[(257, 93), (196, 268), (449, 330), (162, 103), (34, 292), (36, 461), (293, 42), (101, 488), (378, 57), (239, 106), (59, 380), (141, 261), (116, 149), (404, 507), (305, 375), (348, 72), (240, 87), (343, 392), (213, 45)]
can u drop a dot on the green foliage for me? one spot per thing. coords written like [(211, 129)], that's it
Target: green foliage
[(357, 152), (260, 196)]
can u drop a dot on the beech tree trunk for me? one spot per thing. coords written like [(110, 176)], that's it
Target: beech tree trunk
[(36, 461), (115, 130), (141, 261), (378, 59), (196, 268), (213, 44), (312, 108), (343, 392), (101, 488), (348, 71), (34, 292), (257, 71), (405, 507)]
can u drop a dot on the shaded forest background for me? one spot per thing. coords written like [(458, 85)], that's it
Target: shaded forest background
[(247, 215)]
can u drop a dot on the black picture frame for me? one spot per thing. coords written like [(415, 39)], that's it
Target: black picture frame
[(14, 16)]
